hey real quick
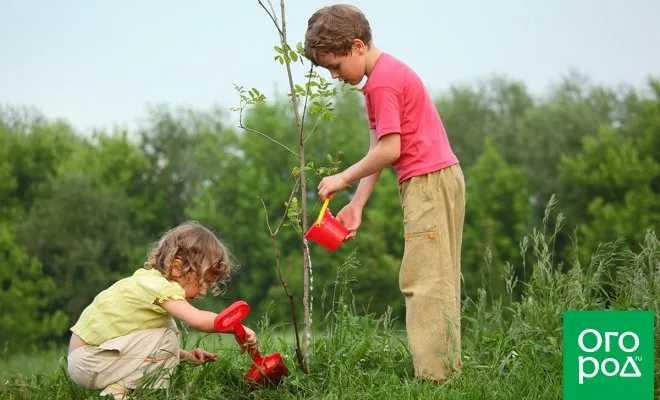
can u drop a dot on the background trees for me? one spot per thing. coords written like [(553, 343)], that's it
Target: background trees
[(80, 209)]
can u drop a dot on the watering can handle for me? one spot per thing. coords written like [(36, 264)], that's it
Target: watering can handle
[(231, 316), (323, 208), (230, 319), (239, 334)]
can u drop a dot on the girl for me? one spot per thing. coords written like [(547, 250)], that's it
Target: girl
[(127, 332)]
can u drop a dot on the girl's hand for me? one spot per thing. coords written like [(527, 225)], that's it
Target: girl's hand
[(250, 340), (199, 356)]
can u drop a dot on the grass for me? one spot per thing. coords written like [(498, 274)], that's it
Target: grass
[(512, 346), (40, 362)]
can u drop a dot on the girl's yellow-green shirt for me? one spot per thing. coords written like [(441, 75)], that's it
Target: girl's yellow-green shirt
[(131, 304)]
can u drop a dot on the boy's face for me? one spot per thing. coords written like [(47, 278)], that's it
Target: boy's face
[(350, 68)]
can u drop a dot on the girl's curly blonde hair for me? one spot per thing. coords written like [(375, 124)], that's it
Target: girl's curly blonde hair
[(198, 249)]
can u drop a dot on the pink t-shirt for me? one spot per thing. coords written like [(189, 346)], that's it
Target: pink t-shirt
[(398, 102)]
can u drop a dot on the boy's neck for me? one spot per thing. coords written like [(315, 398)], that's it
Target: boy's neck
[(372, 55)]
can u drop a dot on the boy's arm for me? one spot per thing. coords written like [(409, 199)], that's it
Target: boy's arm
[(367, 184), (382, 153), (385, 152)]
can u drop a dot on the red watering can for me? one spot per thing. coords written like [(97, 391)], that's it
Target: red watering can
[(327, 230), (265, 370)]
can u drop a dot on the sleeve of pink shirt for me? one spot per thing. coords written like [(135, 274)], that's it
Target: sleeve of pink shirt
[(385, 103)]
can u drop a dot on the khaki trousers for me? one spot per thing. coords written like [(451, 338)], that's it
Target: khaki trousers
[(433, 214), (148, 355)]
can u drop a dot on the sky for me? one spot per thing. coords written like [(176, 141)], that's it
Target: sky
[(103, 63)]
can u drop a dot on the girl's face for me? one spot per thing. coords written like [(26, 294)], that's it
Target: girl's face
[(190, 283)]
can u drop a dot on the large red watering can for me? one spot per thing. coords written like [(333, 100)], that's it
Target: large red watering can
[(265, 370)]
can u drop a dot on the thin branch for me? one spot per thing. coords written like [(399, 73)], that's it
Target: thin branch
[(272, 9), (286, 211), (272, 16), (273, 236), (317, 121), (299, 355), (313, 129), (309, 79), (240, 113), (240, 125), (267, 219)]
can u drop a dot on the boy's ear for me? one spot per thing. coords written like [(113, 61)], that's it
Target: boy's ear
[(359, 46)]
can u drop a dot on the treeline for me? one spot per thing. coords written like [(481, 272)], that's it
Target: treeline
[(79, 210)]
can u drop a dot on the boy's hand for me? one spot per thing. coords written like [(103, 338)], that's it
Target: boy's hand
[(199, 356), (351, 217), (331, 184), (250, 340)]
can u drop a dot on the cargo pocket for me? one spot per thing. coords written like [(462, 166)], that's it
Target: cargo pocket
[(418, 265), (115, 346), (418, 209)]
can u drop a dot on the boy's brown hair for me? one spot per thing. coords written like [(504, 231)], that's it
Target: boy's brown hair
[(198, 249), (332, 30)]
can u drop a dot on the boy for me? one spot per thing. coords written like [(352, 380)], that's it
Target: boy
[(406, 132)]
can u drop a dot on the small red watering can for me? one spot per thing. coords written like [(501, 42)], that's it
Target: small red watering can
[(265, 370), (327, 230)]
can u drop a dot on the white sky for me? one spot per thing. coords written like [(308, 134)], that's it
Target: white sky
[(103, 62)]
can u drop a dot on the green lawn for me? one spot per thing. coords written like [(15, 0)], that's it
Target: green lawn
[(44, 362), (512, 347)]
